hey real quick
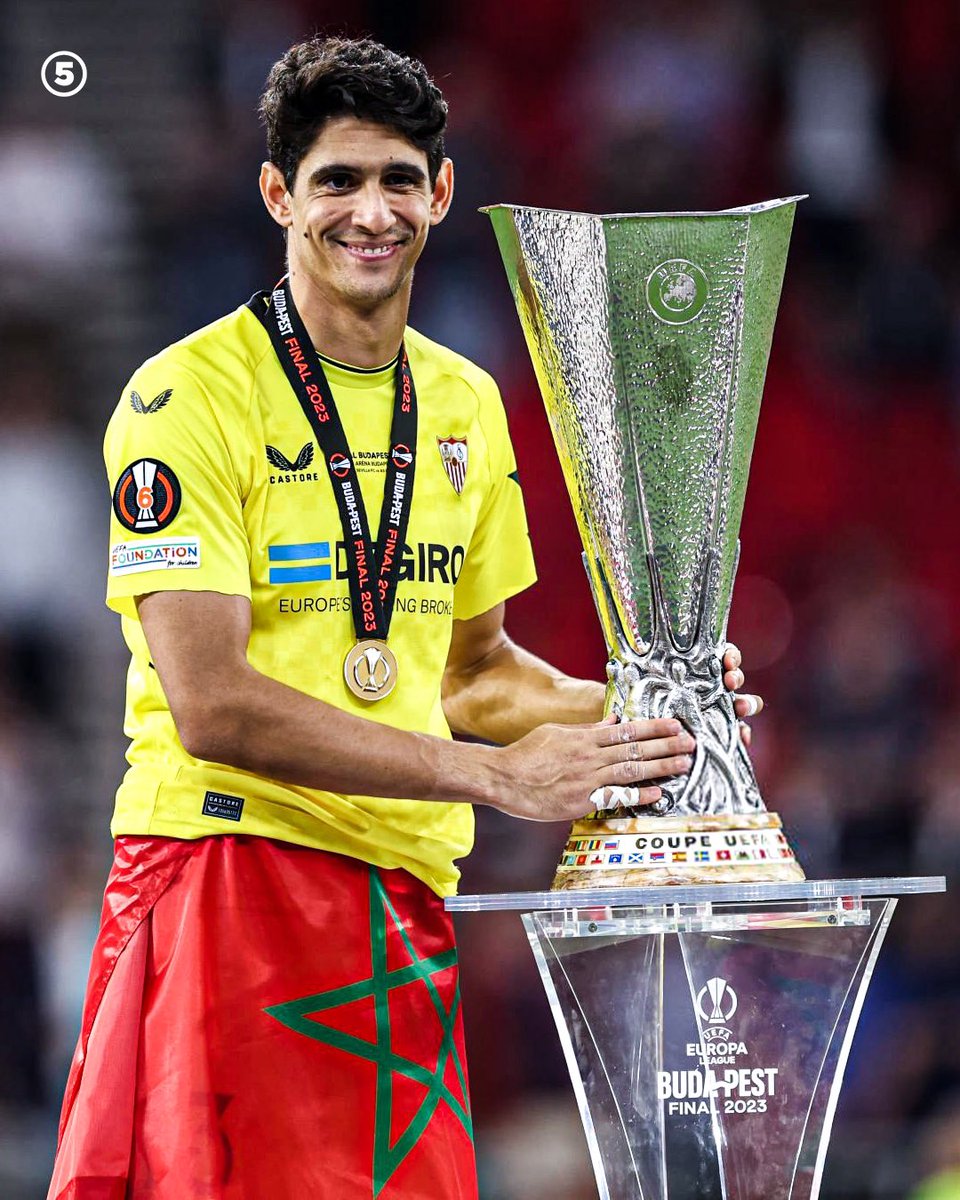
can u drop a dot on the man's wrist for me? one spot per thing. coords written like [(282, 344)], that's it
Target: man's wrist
[(471, 772)]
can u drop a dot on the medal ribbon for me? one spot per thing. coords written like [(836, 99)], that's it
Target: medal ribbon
[(373, 569)]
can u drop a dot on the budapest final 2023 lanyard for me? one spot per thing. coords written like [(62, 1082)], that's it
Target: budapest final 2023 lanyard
[(373, 568)]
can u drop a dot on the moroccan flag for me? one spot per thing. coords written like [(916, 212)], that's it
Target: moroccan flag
[(266, 1020)]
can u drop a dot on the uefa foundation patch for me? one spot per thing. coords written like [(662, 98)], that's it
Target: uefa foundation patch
[(154, 554), (147, 496)]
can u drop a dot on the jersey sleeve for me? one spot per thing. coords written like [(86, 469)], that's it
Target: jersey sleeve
[(499, 561), (176, 521)]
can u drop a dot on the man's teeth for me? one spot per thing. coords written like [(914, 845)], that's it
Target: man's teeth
[(372, 251)]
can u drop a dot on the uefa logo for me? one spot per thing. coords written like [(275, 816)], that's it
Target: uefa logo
[(716, 1001), (677, 290)]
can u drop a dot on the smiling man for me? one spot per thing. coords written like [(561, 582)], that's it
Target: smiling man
[(316, 523)]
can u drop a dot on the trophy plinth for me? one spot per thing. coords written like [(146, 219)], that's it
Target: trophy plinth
[(649, 335), (707, 1028)]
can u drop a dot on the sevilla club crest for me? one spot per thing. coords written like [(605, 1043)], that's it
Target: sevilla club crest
[(453, 455)]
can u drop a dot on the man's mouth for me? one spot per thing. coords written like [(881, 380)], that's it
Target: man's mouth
[(370, 252)]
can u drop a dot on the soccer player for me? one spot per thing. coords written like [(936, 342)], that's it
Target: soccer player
[(316, 522)]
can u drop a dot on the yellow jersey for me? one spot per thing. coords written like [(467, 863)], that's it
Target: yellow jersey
[(219, 486)]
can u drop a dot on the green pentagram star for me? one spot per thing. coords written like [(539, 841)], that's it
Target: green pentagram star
[(295, 1014)]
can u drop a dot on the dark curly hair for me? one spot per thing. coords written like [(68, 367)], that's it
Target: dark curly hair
[(327, 77)]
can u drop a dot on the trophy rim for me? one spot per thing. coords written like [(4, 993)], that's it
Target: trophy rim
[(698, 893), (746, 210)]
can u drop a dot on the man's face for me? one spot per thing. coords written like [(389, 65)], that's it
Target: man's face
[(360, 211)]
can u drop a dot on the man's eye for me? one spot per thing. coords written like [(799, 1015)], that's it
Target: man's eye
[(337, 183), (400, 180)]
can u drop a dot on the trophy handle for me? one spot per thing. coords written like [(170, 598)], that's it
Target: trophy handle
[(614, 634), (670, 678)]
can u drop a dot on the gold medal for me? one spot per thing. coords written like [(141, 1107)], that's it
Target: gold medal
[(370, 670)]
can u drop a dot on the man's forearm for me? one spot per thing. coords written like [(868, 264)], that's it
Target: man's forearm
[(511, 691), (257, 724), (226, 711)]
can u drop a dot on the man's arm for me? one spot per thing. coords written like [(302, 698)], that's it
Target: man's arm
[(225, 711), (496, 690)]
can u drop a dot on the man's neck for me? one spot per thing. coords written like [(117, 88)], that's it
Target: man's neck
[(356, 336)]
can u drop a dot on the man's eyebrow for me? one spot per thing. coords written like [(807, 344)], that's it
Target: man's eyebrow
[(326, 169), (322, 172), (406, 168)]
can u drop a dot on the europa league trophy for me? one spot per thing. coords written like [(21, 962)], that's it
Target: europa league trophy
[(649, 335), (705, 994)]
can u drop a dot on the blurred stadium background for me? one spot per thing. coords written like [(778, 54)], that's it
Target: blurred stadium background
[(130, 216)]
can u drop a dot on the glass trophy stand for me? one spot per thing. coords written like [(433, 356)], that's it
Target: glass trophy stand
[(707, 1027)]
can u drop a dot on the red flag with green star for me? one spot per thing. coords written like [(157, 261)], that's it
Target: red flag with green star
[(290, 1025)]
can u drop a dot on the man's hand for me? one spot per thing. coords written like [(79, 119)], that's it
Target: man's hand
[(551, 773), (743, 706), (228, 712)]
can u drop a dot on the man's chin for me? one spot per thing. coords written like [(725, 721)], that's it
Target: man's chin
[(370, 294)]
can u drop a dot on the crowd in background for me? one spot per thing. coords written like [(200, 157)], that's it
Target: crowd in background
[(130, 216)]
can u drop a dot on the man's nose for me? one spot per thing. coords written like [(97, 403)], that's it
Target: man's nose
[(372, 210)]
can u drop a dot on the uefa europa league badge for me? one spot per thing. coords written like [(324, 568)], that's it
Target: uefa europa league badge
[(677, 290), (370, 670), (716, 1001)]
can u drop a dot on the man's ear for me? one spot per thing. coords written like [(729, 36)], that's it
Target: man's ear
[(273, 189), (442, 192)]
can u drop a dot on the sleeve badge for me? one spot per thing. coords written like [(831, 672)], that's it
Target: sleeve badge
[(147, 496)]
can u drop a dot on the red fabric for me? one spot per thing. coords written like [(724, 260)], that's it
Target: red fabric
[(266, 1020)]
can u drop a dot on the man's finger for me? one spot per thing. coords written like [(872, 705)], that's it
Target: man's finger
[(636, 731), (732, 657), (630, 771), (746, 734), (747, 706), (733, 680), (655, 748), (604, 798)]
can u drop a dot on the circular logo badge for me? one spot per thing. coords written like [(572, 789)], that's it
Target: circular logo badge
[(147, 496), (340, 465), (402, 457), (370, 670), (677, 290), (63, 73)]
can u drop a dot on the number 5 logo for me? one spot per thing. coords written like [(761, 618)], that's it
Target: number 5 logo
[(63, 73)]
